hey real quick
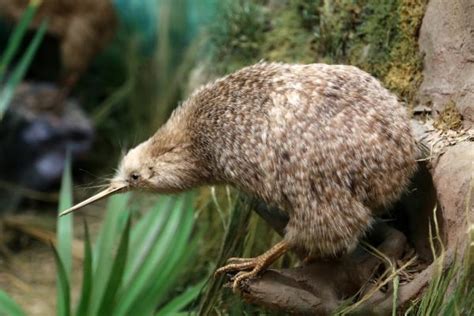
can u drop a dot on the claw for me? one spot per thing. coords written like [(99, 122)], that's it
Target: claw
[(242, 276), (257, 265)]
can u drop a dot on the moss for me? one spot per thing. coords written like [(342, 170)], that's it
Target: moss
[(375, 37), (405, 73), (449, 118), (237, 36), (287, 40), (337, 29), (320, 30), (379, 36), (388, 44)]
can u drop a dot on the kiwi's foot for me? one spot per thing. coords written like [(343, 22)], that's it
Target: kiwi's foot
[(255, 265)]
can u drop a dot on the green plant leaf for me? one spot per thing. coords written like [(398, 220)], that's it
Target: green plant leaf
[(64, 236), (114, 222), (396, 283), (139, 280), (231, 247), (143, 280), (179, 302), (115, 219), (181, 245), (87, 281), (146, 232), (65, 223), (169, 269), (116, 275), (15, 39), (64, 300), (6, 94), (8, 306)]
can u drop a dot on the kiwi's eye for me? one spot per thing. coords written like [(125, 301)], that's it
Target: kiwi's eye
[(135, 176)]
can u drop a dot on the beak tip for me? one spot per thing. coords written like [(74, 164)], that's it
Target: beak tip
[(64, 213), (92, 199)]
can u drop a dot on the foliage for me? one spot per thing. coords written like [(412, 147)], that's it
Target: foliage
[(378, 36), (131, 88), (9, 306), (231, 246), (237, 37), (65, 236), (242, 238), (129, 269), (7, 88), (287, 40), (451, 290)]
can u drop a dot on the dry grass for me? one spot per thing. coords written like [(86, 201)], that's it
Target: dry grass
[(449, 118)]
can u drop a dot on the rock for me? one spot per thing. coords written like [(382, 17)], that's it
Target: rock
[(453, 179), (447, 41)]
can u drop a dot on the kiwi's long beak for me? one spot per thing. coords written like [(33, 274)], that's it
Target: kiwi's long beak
[(110, 190)]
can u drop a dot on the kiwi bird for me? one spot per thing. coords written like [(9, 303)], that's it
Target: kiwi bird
[(326, 143)]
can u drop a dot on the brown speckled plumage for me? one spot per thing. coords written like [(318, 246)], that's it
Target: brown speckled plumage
[(327, 144)]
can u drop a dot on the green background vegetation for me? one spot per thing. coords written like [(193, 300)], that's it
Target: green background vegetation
[(379, 36)]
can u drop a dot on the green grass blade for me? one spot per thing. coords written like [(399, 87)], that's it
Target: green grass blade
[(65, 223), (64, 300), (231, 247), (155, 261), (8, 306), (64, 235), (450, 308), (116, 275), (6, 94), (87, 281), (15, 39), (145, 234), (138, 281), (170, 268), (396, 283), (181, 301), (114, 222)]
